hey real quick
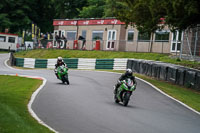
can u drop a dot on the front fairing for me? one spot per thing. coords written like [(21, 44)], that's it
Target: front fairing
[(127, 86), (62, 70)]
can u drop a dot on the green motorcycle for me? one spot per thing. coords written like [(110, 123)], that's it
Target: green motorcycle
[(124, 91), (62, 73)]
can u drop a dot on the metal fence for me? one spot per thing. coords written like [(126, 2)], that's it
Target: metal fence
[(113, 45), (190, 45), (183, 45)]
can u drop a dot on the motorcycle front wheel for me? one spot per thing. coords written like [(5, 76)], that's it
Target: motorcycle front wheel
[(126, 98), (116, 100), (66, 79)]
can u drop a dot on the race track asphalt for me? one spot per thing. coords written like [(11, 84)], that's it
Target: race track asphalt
[(87, 105)]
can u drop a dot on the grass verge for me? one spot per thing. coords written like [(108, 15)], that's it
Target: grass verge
[(54, 53), (185, 95), (3, 52), (15, 93)]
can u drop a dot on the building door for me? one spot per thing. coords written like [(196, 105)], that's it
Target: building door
[(111, 40), (176, 41)]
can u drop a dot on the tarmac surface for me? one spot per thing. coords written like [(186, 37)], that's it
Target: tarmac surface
[(87, 105)]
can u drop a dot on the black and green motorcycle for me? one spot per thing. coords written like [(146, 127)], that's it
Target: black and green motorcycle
[(62, 72), (124, 91)]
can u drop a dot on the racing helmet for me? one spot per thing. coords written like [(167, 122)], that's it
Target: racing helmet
[(128, 72), (59, 60)]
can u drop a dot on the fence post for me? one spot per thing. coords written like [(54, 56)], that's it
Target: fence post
[(189, 45), (136, 47), (181, 52), (196, 39)]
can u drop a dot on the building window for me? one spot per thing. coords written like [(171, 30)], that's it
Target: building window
[(71, 35), (84, 33), (176, 41), (144, 37), (97, 35), (11, 39), (162, 36), (2, 39), (130, 36)]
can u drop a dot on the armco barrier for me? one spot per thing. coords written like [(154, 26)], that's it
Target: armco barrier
[(81, 63), (86, 63), (41, 63), (120, 64), (51, 63), (19, 62), (104, 64), (29, 62), (71, 63)]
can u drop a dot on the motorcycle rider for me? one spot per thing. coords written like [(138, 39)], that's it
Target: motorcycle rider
[(127, 74), (60, 62)]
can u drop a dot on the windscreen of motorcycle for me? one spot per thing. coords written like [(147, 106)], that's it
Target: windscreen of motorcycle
[(129, 83), (61, 68)]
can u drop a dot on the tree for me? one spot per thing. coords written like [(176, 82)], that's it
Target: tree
[(178, 14), (94, 9), (68, 8), (13, 15), (182, 14), (42, 14)]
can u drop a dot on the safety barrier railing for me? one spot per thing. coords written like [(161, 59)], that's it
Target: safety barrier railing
[(75, 63)]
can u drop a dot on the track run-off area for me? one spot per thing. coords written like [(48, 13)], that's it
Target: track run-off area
[(87, 105)]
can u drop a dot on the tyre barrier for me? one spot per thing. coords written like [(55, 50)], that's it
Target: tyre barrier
[(175, 74), (163, 71)]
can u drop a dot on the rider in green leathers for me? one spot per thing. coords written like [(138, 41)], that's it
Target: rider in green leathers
[(127, 74), (60, 62)]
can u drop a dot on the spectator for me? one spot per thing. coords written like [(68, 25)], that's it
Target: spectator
[(83, 39), (65, 40), (57, 38)]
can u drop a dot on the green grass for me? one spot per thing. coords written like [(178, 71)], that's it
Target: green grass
[(187, 96), (15, 93), (2, 52), (53, 53)]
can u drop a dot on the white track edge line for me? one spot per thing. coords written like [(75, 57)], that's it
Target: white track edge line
[(5, 63), (33, 96), (183, 104), (33, 114), (158, 91)]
